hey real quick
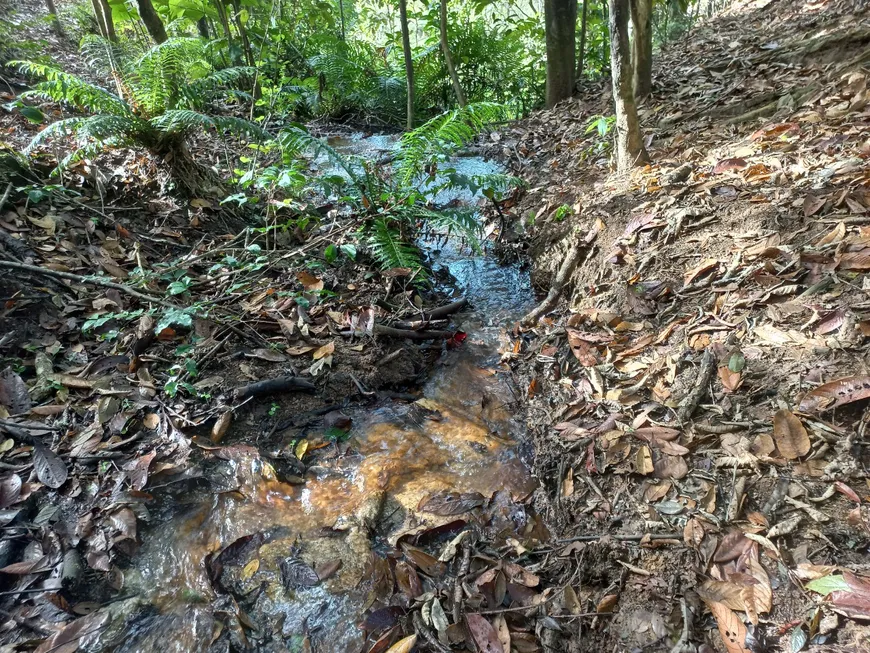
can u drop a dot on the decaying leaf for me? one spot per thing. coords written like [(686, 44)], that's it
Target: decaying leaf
[(50, 469), (791, 437), (13, 392), (836, 393), (221, 426), (731, 628), (483, 634), (405, 645), (448, 503)]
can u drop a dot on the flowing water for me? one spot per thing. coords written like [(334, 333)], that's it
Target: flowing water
[(462, 436)]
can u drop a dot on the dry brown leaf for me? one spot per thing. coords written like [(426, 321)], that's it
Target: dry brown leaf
[(813, 205), (730, 380), (731, 628), (835, 235), (405, 645), (643, 463), (483, 634), (309, 281), (324, 351), (671, 467), (791, 437), (607, 603), (836, 393), (221, 426)]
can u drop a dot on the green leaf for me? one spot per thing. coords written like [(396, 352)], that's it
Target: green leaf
[(736, 362), (797, 639), (330, 254), (33, 114), (349, 250), (176, 316), (828, 584)]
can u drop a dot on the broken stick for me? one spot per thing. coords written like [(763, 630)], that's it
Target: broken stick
[(272, 386)]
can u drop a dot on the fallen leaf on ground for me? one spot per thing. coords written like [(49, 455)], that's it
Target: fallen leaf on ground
[(791, 437), (836, 393)]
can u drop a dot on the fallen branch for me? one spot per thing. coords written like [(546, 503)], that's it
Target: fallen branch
[(434, 314), (273, 386), (575, 254), (94, 281), (702, 380), (392, 332)]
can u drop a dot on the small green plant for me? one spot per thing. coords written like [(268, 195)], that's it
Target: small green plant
[(561, 213)]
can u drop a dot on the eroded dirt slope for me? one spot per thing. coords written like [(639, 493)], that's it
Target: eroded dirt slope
[(682, 396)]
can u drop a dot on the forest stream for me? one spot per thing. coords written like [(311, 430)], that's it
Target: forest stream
[(261, 537)]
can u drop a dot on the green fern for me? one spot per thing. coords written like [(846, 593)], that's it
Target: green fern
[(441, 136), (391, 250), (64, 87), (161, 89)]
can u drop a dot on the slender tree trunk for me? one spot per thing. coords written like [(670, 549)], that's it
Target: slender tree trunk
[(152, 20), (341, 15), (448, 58), (224, 20), (560, 21), (108, 20), (582, 47), (97, 6), (409, 61), (55, 21), (629, 142), (243, 33), (641, 55)]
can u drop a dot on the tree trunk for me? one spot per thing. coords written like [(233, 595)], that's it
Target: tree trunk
[(55, 21), (341, 15), (448, 58), (560, 21), (152, 20), (629, 142), (108, 20), (409, 61), (641, 55), (582, 47), (97, 6), (243, 33)]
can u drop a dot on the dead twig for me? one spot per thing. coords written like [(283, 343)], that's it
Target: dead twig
[(93, 281), (690, 401)]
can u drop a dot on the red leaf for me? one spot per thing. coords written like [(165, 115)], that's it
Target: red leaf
[(729, 164), (483, 634)]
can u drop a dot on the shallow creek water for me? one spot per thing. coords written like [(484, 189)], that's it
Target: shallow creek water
[(461, 436)]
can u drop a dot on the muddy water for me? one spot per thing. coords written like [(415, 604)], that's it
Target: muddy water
[(461, 436)]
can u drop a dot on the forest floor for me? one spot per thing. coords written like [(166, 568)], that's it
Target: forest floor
[(696, 406), (699, 435)]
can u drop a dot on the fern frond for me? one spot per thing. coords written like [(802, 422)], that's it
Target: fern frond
[(296, 140), (390, 250), (63, 87), (182, 121), (195, 92), (441, 136), (461, 223), (100, 130)]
